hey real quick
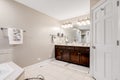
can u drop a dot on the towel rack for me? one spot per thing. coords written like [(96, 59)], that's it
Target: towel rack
[(7, 28)]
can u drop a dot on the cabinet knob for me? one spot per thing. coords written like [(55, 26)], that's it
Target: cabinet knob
[(61, 51), (79, 53)]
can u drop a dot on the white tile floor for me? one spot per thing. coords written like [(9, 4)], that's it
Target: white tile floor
[(57, 70)]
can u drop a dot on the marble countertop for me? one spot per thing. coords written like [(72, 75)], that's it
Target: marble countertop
[(79, 45)]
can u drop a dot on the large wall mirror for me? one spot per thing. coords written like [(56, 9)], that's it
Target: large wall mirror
[(78, 34), (75, 30)]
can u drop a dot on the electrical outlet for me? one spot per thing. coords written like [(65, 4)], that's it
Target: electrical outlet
[(38, 59)]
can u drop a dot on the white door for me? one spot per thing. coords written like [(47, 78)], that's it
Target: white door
[(103, 40)]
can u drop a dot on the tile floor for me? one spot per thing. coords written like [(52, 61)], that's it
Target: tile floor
[(57, 70)]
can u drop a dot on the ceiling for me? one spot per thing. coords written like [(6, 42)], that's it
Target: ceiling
[(59, 9)]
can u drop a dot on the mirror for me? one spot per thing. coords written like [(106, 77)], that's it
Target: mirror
[(74, 31), (78, 34)]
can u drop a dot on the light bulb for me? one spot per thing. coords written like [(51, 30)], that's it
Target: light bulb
[(79, 23), (88, 21), (63, 26), (66, 26), (74, 29), (83, 23), (71, 25)]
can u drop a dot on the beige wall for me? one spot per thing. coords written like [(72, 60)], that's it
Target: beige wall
[(37, 40), (93, 2)]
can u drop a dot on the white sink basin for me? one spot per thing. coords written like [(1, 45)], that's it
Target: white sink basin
[(5, 70)]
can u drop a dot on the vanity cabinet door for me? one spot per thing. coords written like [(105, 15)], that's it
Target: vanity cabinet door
[(58, 53), (84, 59), (74, 57), (66, 56), (67, 52), (84, 56)]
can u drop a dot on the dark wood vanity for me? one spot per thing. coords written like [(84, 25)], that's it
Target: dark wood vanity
[(73, 54)]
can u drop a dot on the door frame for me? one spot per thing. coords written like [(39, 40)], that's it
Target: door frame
[(91, 31), (116, 58)]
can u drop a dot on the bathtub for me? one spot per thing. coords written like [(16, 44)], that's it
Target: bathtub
[(10, 71), (5, 70)]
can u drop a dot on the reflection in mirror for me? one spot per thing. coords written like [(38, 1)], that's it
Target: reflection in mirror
[(78, 34)]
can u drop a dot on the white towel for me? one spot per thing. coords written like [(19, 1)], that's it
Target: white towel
[(15, 36)]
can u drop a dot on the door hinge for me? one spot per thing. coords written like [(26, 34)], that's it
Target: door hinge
[(94, 47), (118, 43), (118, 3)]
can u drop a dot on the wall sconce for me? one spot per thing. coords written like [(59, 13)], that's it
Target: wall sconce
[(59, 35)]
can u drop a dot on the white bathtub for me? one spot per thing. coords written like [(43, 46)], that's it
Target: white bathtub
[(10, 71), (5, 70)]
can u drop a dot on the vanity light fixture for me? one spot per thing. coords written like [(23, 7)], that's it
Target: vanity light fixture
[(88, 21), (67, 25), (75, 29), (83, 22), (79, 22)]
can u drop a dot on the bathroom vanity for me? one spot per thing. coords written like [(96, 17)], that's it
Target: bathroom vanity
[(73, 54)]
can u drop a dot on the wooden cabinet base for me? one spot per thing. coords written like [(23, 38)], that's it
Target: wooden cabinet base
[(73, 54)]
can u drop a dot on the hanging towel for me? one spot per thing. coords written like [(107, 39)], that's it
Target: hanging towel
[(15, 36)]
